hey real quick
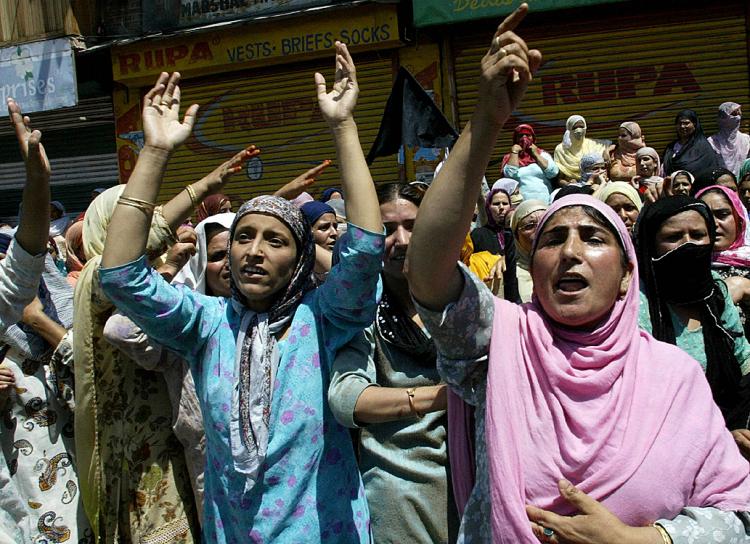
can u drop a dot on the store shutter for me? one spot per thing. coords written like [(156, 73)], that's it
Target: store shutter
[(80, 144), (73, 179), (617, 68), (275, 109)]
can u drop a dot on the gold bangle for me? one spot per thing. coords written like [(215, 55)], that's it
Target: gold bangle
[(410, 393), (143, 205), (138, 201), (146, 211), (664, 534), (192, 195)]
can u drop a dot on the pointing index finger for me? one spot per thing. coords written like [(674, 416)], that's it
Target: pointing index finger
[(513, 20)]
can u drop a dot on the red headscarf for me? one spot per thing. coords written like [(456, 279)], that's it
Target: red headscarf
[(524, 136), (211, 206)]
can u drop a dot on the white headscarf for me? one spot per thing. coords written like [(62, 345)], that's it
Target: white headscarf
[(729, 142), (569, 124), (193, 274)]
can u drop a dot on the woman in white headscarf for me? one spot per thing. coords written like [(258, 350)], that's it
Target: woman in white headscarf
[(573, 147), (729, 142)]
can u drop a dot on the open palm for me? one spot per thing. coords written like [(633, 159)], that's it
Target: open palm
[(338, 105), (161, 114)]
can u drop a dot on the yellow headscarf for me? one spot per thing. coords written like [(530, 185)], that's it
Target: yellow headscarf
[(92, 309), (568, 153)]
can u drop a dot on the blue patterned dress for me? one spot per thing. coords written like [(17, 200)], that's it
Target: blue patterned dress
[(310, 489)]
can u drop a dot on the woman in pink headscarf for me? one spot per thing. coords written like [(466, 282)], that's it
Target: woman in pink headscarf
[(729, 142), (623, 162), (577, 410)]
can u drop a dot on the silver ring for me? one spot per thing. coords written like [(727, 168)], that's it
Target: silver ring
[(548, 533)]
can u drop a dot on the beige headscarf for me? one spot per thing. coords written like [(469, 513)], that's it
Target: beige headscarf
[(622, 188), (92, 309)]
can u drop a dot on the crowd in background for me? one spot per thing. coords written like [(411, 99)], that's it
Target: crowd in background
[(561, 356)]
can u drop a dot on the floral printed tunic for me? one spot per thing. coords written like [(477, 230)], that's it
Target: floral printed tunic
[(37, 442), (309, 489)]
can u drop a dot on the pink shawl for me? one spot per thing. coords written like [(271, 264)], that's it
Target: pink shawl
[(738, 254), (627, 419)]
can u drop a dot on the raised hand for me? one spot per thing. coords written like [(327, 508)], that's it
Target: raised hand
[(337, 106), (29, 142), (177, 256), (215, 181), (507, 69), (161, 114), (299, 185)]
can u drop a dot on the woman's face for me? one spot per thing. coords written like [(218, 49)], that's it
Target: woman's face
[(726, 223), (685, 128), (623, 135), (226, 206), (325, 231), (646, 166), (597, 169), (336, 196), (744, 191), (687, 226), (264, 255), (217, 269), (725, 180), (398, 219), (681, 185), (577, 269), (527, 228), (624, 207), (499, 207), (524, 139)]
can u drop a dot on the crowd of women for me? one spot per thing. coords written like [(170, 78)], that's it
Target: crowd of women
[(564, 362)]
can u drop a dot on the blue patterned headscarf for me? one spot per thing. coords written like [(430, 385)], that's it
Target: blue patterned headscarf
[(257, 356)]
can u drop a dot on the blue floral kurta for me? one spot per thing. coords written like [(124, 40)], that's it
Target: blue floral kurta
[(310, 489)]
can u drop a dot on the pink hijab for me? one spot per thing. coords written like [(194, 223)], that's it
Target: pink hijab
[(627, 419), (738, 254)]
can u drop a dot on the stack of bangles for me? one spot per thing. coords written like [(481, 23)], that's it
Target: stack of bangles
[(193, 197), (144, 205)]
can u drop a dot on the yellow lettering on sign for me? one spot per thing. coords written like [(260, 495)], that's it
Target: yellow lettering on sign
[(208, 52)]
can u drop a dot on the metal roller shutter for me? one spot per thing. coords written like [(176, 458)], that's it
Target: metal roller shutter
[(642, 68), (275, 109)]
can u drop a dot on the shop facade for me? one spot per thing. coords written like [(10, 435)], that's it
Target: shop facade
[(254, 84)]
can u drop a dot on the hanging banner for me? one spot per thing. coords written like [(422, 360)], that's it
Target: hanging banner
[(438, 12), (40, 76)]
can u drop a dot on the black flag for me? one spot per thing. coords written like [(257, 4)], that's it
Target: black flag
[(410, 118)]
